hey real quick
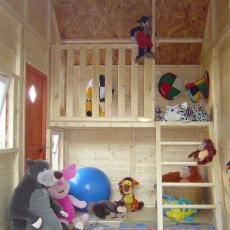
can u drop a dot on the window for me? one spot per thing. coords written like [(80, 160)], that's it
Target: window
[(55, 158), (4, 88)]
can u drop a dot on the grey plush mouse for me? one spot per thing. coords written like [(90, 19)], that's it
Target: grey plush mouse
[(31, 207)]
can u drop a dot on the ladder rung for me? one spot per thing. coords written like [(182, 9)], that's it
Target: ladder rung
[(199, 184), (180, 143), (197, 206), (186, 163)]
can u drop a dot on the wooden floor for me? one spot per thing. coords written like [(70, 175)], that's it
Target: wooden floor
[(148, 214)]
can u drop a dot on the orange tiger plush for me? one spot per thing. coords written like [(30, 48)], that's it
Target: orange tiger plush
[(126, 187)]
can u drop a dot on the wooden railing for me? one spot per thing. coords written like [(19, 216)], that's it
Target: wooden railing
[(73, 65)]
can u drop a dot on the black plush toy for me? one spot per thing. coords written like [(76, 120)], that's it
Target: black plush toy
[(143, 34), (106, 209)]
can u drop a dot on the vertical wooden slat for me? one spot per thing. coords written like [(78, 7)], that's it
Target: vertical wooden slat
[(80, 82), (55, 81), (134, 84), (95, 85), (121, 83), (108, 82), (148, 90), (159, 177), (69, 82)]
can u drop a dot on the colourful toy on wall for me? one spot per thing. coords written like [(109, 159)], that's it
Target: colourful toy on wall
[(59, 193), (201, 86), (126, 188), (170, 86), (178, 213), (204, 153), (228, 169), (143, 38)]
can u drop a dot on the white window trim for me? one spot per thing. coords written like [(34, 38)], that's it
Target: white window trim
[(3, 91)]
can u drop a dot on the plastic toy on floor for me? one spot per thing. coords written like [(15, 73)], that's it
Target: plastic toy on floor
[(201, 86), (126, 187), (204, 153), (178, 213), (143, 38), (59, 193)]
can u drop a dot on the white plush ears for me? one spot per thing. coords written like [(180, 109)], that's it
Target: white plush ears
[(184, 105)]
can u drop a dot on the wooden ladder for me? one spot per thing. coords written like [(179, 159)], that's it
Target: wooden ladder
[(215, 171)]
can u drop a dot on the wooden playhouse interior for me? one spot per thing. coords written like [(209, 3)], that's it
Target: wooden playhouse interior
[(127, 141)]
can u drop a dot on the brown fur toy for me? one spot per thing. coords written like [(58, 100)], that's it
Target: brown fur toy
[(204, 153), (189, 174)]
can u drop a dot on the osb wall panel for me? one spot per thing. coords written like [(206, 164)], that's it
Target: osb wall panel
[(8, 42), (96, 19), (181, 18), (178, 53), (37, 12), (119, 152), (99, 19), (166, 53)]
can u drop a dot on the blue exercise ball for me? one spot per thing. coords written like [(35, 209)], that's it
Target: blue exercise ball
[(90, 184)]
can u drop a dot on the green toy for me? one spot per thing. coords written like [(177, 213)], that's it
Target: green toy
[(178, 213)]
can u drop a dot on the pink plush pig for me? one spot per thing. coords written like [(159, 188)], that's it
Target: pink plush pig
[(60, 191)]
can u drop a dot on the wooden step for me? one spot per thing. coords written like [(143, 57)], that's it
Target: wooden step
[(183, 163), (197, 206), (199, 184)]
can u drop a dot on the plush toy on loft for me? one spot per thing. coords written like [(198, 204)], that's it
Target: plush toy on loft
[(204, 153), (89, 94), (106, 209), (143, 38), (188, 174), (59, 193), (31, 207), (201, 86), (126, 187)]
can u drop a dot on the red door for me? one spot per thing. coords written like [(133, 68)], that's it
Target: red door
[(35, 136)]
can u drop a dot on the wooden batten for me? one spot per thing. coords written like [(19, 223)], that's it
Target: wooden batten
[(108, 83), (121, 83)]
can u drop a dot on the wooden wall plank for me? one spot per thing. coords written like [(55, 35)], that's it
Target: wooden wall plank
[(83, 74), (55, 79), (148, 90), (121, 83), (134, 84), (95, 88), (108, 82), (69, 83)]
